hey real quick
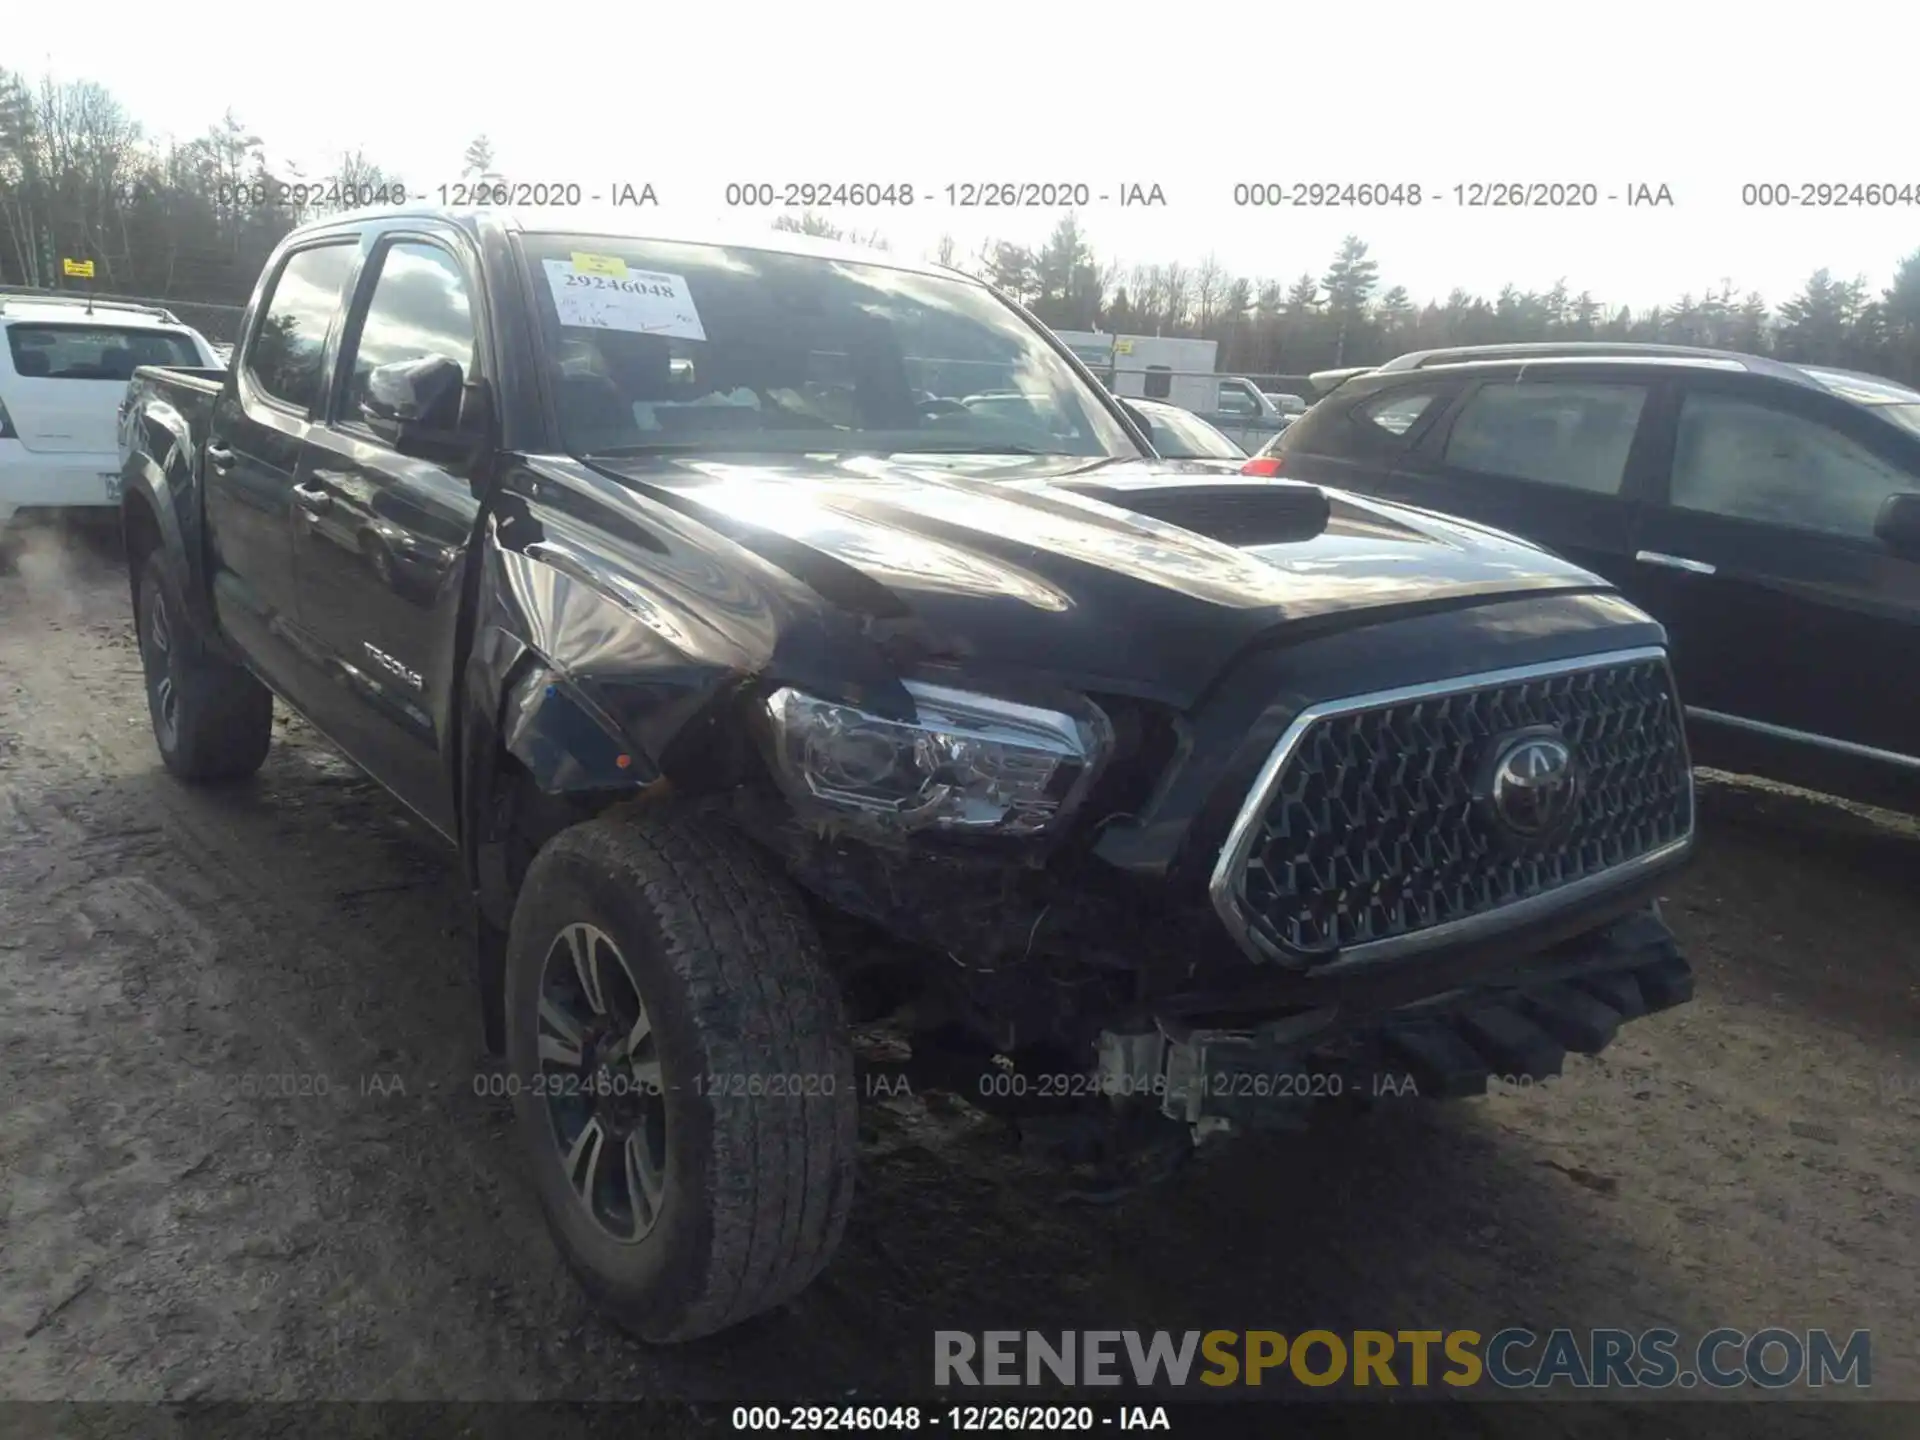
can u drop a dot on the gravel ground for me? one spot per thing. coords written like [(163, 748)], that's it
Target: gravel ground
[(171, 1232)]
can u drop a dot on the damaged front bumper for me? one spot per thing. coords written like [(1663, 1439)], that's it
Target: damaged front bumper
[(1518, 1027)]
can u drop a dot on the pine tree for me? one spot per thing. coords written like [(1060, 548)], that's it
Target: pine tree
[(477, 163)]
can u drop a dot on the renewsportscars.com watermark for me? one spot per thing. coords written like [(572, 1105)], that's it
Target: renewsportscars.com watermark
[(1509, 1359)]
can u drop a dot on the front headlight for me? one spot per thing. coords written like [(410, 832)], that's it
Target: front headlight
[(967, 763)]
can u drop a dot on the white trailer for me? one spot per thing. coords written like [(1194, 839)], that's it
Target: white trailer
[(1181, 372)]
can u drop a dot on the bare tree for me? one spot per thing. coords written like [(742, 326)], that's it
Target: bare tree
[(1179, 293), (1209, 289)]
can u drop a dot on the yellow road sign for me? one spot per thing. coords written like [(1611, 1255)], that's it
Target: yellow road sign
[(80, 269)]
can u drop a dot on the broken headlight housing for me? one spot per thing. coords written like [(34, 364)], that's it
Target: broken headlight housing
[(966, 763)]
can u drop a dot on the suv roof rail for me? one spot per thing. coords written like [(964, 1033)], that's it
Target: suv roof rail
[(1541, 349), (157, 311), (1578, 349)]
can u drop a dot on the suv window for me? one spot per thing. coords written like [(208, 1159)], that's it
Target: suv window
[(1740, 458), (420, 308), (94, 352), (1395, 413), (1574, 434), (289, 348)]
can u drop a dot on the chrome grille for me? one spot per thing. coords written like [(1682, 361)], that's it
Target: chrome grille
[(1367, 831)]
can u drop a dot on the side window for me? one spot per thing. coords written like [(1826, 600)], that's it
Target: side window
[(1159, 382), (419, 308), (1234, 400), (1395, 413), (1575, 435), (1736, 457), (289, 349)]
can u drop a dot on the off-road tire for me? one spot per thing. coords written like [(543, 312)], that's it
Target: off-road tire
[(756, 1069), (221, 723)]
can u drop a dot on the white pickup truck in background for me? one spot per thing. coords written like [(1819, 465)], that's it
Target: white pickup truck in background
[(1246, 413), (1180, 371)]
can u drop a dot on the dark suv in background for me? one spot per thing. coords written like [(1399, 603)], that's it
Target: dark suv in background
[(1768, 514)]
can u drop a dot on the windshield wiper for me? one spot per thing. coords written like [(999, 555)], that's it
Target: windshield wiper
[(676, 447), (1103, 462), (977, 450), (707, 447)]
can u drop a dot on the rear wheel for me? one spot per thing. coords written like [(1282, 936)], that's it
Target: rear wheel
[(682, 1074), (211, 719)]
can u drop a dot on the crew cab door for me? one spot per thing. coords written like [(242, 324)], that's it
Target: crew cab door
[(381, 536), (1556, 457), (1794, 629), (253, 443)]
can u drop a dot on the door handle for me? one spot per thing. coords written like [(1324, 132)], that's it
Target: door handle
[(1674, 562), (314, 502), (219, 457)]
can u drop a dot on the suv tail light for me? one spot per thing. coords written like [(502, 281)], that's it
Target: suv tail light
[(1263, 465)]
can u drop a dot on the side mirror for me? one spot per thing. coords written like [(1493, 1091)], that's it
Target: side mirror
[(1898, 525), (416, 406)]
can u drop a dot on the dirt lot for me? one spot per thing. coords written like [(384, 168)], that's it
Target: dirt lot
[(1747, 1160)]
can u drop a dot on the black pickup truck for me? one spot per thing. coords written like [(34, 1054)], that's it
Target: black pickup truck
[(767, 690)]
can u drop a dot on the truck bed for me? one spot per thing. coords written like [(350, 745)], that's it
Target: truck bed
[(184, 391), (180, 377)]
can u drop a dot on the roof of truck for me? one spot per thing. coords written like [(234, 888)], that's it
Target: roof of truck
[(644, 223)]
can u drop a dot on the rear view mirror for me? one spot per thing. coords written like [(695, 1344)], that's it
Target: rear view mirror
[(1898, 525)]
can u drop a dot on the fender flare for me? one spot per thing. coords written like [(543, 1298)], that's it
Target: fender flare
[(167, 491), (519, 703), (516, 702)]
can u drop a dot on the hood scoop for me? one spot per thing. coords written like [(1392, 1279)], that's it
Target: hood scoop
[(1234, 512)]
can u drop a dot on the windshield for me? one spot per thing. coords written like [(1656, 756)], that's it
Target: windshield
[(658, 346), (59, 351), (1181, 435)]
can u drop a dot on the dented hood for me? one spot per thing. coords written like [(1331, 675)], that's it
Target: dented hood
[(1144, 577)]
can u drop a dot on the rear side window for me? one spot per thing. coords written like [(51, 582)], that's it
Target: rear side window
[(1575, 435), (94, 352), (1734, 457), (289, 348), (1394, 414)]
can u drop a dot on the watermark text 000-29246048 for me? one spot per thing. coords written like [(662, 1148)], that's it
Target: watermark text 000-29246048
[(1570, 193)]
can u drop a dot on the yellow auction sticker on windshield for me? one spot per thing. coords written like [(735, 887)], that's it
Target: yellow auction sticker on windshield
[(644, 302), (599, 264)]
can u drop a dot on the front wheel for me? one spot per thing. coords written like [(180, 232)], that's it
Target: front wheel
[(682, 1074)]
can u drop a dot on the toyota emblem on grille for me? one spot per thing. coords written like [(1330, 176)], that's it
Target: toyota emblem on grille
[(1536, 783)]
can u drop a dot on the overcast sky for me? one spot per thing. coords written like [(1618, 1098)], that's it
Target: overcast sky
[(1192, 98)]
